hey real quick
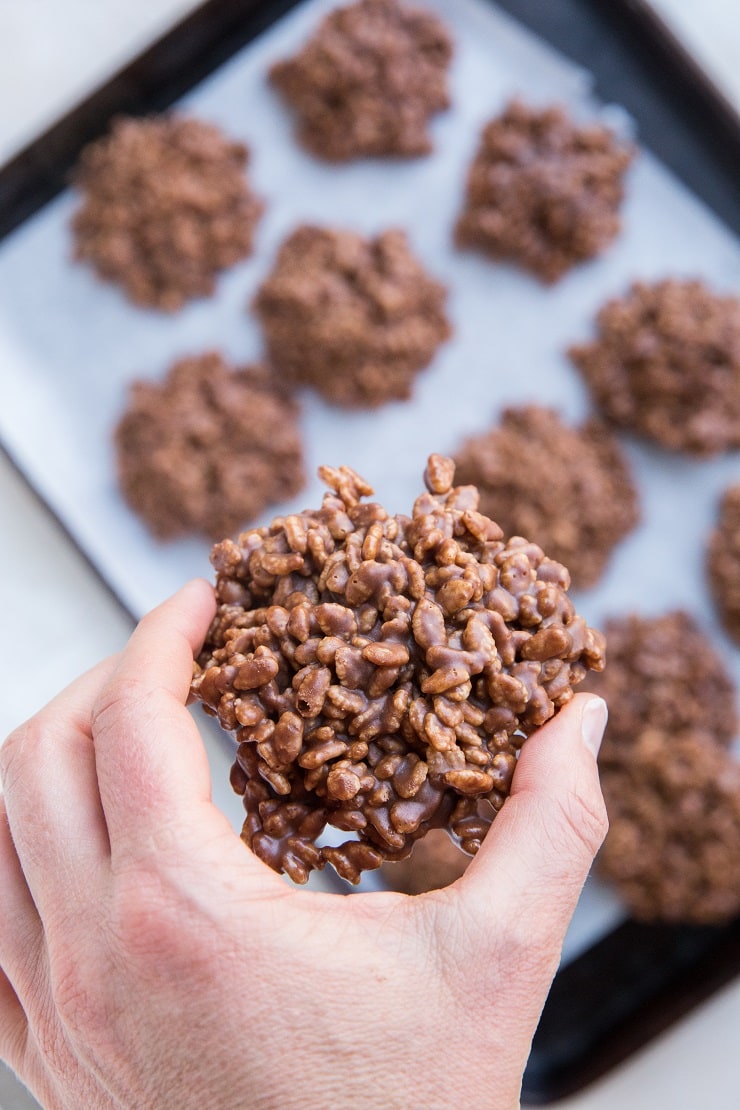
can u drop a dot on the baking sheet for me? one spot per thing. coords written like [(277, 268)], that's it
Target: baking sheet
[(70, 345)]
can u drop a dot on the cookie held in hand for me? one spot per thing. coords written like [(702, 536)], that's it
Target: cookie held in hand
[(381, 672)]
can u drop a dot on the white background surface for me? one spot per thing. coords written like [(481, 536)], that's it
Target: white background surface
[(46, 589)]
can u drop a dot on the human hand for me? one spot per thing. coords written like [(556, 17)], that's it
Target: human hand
[(148, 959)]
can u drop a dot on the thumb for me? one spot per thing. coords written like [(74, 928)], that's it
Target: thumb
[(150, 761), (535, 859)]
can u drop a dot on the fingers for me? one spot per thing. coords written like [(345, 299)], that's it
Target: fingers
[(21, 933), (23, 964), (535, 859), (52, 799), (151, 764), (13, 1027)]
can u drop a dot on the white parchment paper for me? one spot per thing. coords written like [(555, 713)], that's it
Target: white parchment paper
[(70, 345)]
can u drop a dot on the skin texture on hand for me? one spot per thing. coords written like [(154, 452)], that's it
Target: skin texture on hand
[(147, 958)]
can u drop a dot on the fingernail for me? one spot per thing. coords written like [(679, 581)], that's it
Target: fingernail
[(593, 723)]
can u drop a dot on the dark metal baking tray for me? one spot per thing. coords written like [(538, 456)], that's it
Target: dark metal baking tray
[(637, 979)]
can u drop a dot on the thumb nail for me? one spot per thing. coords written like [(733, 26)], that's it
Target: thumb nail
[(593, 723)]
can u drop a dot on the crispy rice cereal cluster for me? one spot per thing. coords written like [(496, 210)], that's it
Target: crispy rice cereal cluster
[(672, 789), (368, 81), (166, 206), (673, 848), (543, 192), (381, 671), (205, 451), (723, 561), (663, 674), (354, 318), (569, 488), (666, 365)]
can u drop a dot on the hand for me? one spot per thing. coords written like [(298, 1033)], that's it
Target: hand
[(148, 959)]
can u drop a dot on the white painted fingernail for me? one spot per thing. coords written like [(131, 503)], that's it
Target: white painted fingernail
[(593, 723)]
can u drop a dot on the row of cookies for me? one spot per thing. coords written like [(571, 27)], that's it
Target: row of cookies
[(167, 205)]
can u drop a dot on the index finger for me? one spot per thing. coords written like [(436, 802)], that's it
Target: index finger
[(151, 765)]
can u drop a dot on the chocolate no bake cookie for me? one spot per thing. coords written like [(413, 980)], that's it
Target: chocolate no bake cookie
[(664, 674), (569, 489), (205, 451), (166, 206), (368, 82), (666, 365), (543, 191), (672, 789), (723, 561), (673, 846), (381, 672), (354, 318)]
